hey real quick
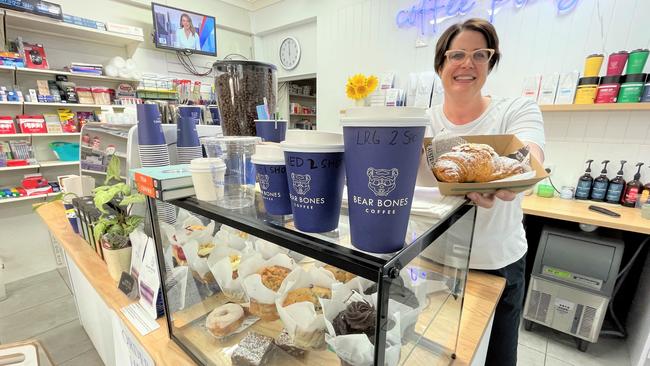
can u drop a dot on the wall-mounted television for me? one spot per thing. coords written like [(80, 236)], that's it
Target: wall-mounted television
[(181, 30)]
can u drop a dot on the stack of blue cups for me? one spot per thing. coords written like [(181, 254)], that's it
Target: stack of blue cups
[(188, 146), (153, 151)]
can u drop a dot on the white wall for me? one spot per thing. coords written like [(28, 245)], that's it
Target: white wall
[(362, 36), (267, 48)]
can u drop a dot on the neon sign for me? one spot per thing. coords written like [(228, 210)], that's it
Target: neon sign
[(428, 14)]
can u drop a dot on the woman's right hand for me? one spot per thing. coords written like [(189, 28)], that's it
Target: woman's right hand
[(486, 200)]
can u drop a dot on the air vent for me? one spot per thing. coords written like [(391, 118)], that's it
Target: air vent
[(539, 302), (587, 322)]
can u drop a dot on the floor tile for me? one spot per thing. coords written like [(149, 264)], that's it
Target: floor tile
[(66, 341), (608, 351), (38, 319), (535, 339), (552, 361), (89, 358), (64, 274), (45, 288), (527, 356), (26, 282)]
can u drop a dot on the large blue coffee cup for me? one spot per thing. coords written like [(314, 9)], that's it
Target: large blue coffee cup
[(382, 154), (150, 130), (315, 177), (190, 111)]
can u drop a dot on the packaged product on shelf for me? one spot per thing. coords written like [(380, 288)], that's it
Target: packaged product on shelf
[(101, 95), (43, 88), (566, 88), (21, 150), (53, 123), (531, 87), (55, 92), (85, 95), (68, 123), (68, 93), (35, 57), (31, 124), (424, 90), (548, 88), (7, 125)]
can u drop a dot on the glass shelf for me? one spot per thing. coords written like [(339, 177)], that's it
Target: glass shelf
[(420, 287)]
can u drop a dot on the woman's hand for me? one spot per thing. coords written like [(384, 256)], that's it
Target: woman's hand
[(486, 200)]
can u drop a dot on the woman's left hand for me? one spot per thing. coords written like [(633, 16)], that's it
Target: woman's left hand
[(486, 200)]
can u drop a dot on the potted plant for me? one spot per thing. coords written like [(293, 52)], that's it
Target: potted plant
[(113, 228)]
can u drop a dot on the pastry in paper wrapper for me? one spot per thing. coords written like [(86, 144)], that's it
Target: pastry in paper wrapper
[(261, 297), (232, 237), (303, 323), (357, 349), (222, 269)]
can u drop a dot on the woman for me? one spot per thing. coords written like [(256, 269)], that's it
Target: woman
[(465, 55), (186, 36)]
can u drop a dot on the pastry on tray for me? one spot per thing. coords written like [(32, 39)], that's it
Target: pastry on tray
[(339, 274), (225, 319), (205, 249), (285, 343), (308, 294), (475, 163), (271, 278), (253, 350)]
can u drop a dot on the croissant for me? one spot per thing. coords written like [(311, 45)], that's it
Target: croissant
[(475, 163)]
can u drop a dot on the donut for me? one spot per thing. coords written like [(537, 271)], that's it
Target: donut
[(225, 319)]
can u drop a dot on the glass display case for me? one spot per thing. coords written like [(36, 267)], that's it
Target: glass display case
[(243, 287)]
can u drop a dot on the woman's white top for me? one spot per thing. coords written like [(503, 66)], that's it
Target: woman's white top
[(499, 236)]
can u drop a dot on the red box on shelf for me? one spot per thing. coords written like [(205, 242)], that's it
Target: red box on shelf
[(7, 125), (35, 57), (31, 124)]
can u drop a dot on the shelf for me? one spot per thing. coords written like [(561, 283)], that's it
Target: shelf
[(17, 199), (51, 27), (39, 134), (73, 105), (7, 68), (595, 107), (58, 134), (74, 75), (118, 154), (98, 173), (47, 164), (302, 96), (22, 167), (11, 103), (301, 115)]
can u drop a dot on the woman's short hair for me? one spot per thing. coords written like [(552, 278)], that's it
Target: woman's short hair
[(475, 24)]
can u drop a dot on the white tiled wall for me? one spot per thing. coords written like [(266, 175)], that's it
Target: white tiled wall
[(574, 137)]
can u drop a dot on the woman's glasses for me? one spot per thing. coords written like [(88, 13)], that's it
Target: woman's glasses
[(481, 56)]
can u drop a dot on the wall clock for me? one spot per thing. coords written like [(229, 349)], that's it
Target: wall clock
[(289, 53)]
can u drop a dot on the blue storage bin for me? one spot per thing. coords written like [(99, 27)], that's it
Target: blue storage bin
[(65, 151)]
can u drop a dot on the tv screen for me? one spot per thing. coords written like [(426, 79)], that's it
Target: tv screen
[(177, 29)]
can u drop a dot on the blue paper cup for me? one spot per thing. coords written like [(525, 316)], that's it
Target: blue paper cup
[(382, 154), (190, 111), (272, 178), (150, 130), (214, 113), (186, 135), (271, 130), (315, 177)]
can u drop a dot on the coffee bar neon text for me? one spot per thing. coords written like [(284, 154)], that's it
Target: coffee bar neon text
[(428, 14)]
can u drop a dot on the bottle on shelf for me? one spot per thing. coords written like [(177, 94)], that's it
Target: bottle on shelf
[(599, 190), (616, 186), (583, 190), (634, 188)]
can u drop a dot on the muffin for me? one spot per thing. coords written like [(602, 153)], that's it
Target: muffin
[(339, 274), (359, 317), (308, 294), (271, 277)]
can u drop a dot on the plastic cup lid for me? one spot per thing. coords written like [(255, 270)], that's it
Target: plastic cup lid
[(312, 141), (206, 164), (385, 117), (268, 154)]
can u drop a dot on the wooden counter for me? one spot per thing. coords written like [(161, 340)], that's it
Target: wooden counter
[(481, 296), (577, 211)]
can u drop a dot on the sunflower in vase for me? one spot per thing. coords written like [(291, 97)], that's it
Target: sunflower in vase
[(359, 87)]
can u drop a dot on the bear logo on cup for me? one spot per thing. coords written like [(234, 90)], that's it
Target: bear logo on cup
[(263, 179), (382, 181), (301, 183)]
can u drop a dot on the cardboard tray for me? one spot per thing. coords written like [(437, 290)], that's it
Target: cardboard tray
[(503, 145)]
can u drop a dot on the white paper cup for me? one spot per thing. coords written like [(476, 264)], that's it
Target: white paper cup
[(204, 171)]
